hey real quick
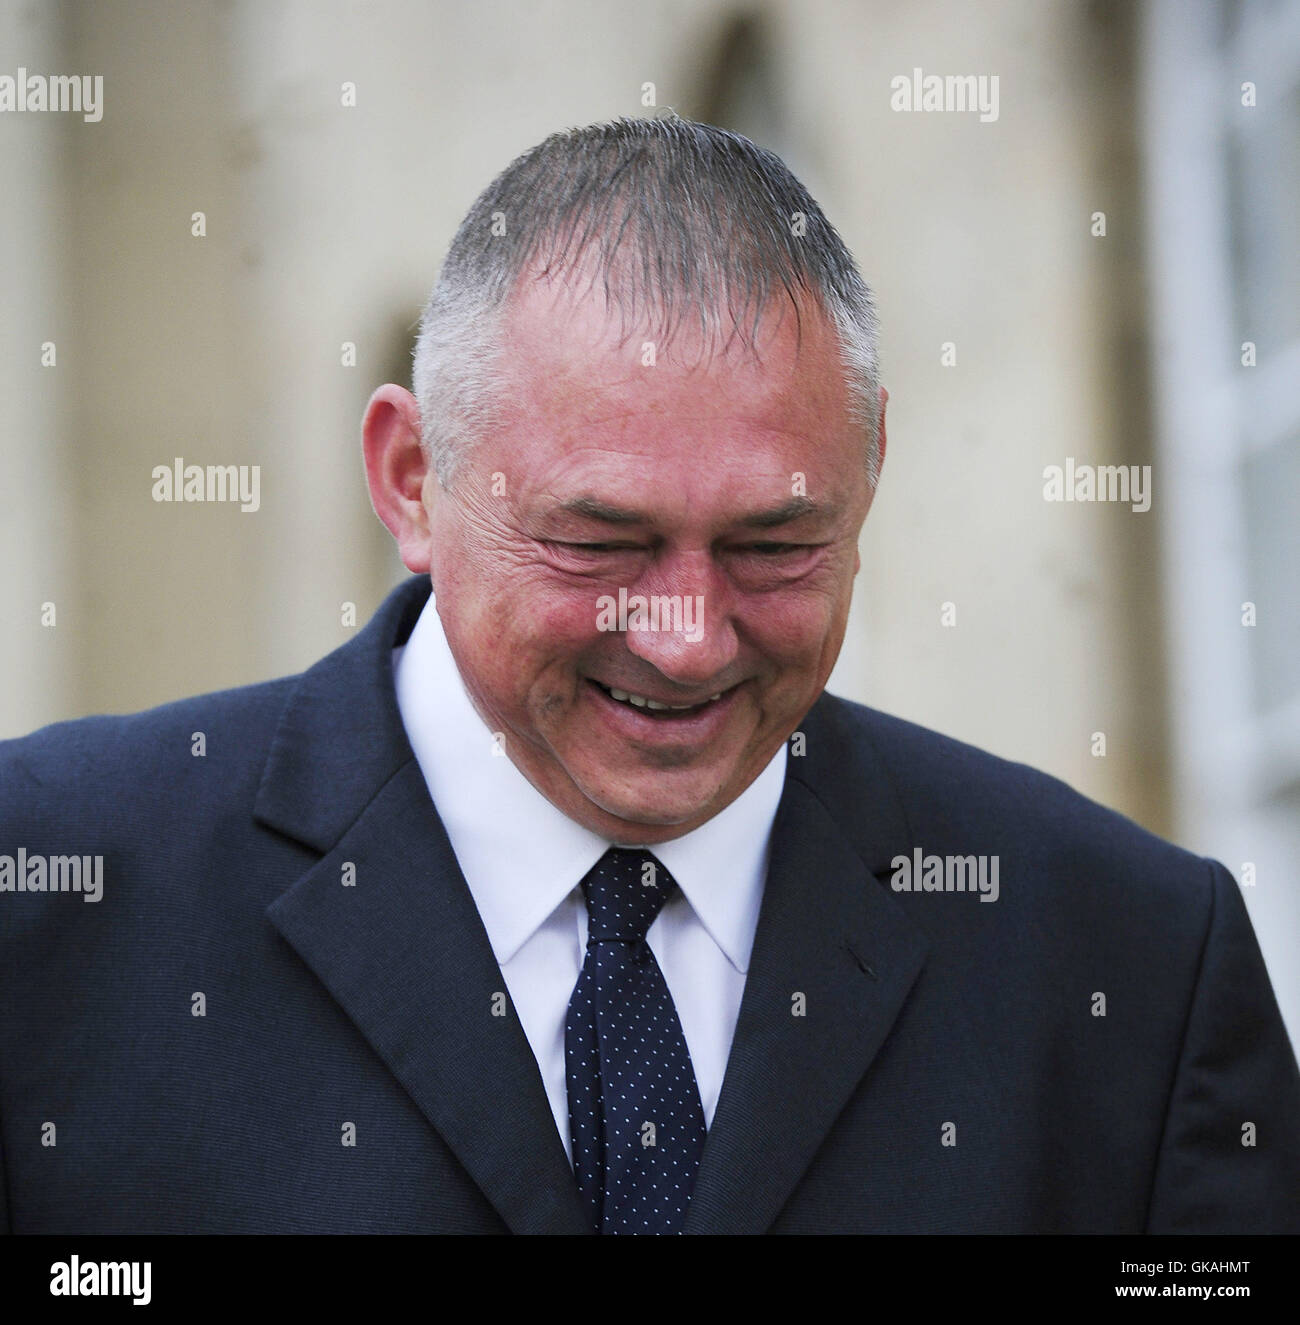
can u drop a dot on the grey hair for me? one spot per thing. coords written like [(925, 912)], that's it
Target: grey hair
[(670, 215)]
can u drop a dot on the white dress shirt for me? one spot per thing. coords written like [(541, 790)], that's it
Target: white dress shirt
[(524, 860)]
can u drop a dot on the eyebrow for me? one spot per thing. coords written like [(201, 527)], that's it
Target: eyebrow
[(796, 508), (593, 509)]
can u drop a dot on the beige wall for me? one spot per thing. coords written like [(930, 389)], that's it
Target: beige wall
[(36, 506), (326, 224)]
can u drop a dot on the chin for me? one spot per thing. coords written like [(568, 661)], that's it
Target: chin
[(653, 816), (654, 809)]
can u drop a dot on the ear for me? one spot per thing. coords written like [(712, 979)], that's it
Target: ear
[(884, 400), (396, 470), (871, 496)]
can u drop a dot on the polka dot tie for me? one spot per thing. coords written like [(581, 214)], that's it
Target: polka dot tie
[(634, 1107)]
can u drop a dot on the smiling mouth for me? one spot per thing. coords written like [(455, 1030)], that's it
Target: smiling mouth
[(652, 707)]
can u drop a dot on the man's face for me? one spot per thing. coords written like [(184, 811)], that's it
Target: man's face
[(731, 489)]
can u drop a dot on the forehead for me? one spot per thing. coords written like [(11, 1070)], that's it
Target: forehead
[(581, 363)]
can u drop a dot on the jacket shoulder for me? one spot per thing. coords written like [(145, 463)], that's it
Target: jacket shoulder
[(107, 765), (953, 792)]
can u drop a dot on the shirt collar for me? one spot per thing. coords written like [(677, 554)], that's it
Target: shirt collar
[(522, 856)]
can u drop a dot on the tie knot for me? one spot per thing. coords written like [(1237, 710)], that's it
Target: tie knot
[(625, 890)]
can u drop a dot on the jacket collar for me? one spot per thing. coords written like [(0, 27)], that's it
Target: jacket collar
[(340, 736), (406, 939)]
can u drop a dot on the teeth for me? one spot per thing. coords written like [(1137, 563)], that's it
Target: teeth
[(642, 702)]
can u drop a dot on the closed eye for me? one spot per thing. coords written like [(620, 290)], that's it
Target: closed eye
[(600, 547)]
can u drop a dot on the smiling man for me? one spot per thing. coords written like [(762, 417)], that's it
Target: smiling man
[(733, 481), (564, 898)]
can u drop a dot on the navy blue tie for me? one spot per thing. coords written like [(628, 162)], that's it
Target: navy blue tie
[(634, 1106)]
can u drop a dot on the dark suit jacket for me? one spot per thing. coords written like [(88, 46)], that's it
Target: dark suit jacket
[(372, 1003)]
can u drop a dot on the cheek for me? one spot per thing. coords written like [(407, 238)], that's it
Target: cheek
[(551, 621), (533, 633), (793, 631), (565, 618)]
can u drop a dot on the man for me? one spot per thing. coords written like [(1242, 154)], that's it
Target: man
[(563, 899)]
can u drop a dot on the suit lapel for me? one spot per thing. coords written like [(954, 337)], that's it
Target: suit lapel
[(403, 950), (832, 943)]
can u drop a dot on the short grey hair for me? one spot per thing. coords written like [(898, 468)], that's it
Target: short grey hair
[(672, 216)]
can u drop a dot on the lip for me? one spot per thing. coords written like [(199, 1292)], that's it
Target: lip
[(635, 724)]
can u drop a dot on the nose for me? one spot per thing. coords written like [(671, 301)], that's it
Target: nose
[(691, 640)]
